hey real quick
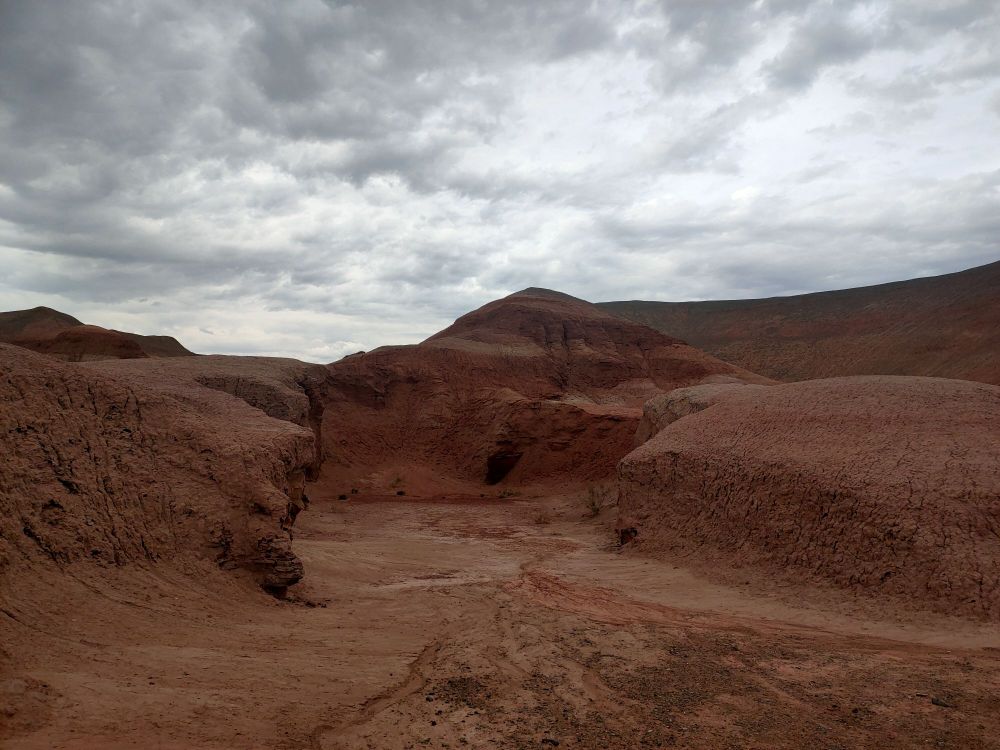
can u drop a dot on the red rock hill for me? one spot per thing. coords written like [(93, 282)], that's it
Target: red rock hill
[(62, 336), (943, 326), (536, 386)]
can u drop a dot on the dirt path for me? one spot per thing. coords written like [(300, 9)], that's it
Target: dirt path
[(482, 624)]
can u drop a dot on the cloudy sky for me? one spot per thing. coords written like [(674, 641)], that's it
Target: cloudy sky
[(310, 178)]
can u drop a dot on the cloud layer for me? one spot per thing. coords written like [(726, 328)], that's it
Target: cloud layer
[(311, 178)]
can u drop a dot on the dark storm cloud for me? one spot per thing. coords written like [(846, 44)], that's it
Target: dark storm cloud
[(389, 165), (824, 38)]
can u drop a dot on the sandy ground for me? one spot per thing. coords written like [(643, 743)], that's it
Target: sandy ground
[(482, 623)]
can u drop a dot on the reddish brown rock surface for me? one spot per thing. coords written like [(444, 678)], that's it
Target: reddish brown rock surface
[(889, 485), (285, 389), (86, 343), (667, 408), (62, 336), (36, 323), (942, 326), (130, 462), (538, 386)]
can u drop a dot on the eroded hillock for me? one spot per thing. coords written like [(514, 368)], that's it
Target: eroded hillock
[(534, 387), (886, 485), (117, 468), (50, 332)]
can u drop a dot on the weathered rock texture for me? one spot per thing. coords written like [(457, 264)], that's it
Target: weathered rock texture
[(122, 462), (285, 389), (667, 408), (943, 326), (884, 484), (532, 387), (62, 336)]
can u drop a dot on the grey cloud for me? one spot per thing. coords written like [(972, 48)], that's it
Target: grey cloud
[(390, 165), (822, 39), (829, 34)]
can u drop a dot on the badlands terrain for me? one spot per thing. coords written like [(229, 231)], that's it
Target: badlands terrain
[(940, 326), (553, 524)]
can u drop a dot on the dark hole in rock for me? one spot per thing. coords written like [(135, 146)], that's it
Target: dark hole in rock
[(499, 465), (278, 592), (627, 535)]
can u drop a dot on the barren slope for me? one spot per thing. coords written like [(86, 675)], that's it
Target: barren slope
[(468, 624), (102, 470), (534, 387), (888, 485), (285, 389), (36, 323), (62, 336), (942, 326)]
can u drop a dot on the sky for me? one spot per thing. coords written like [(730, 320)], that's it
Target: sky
[(311, 178)]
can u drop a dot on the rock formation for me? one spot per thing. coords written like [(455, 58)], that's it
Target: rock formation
[(942, 326), (62, 336), (537, 386), (888, 485), (282, 388), (667, 408), (136, 462)]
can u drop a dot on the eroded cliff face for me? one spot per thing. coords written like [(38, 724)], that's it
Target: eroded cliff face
[(285, 389), (887, 485), (111, 467), (537, 387)]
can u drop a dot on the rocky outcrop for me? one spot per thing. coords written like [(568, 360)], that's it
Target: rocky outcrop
[(535, 387), (106, 467), (890, 486), (282, 388), (667, 408)]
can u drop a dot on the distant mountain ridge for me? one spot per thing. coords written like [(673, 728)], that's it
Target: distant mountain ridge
[(59, 335), (941, 326)]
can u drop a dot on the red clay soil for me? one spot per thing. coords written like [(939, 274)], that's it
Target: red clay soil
[(942, 326), (667, 408), (109, 470), (537, 386), (62, 336), (475, 625), (885, 485)]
